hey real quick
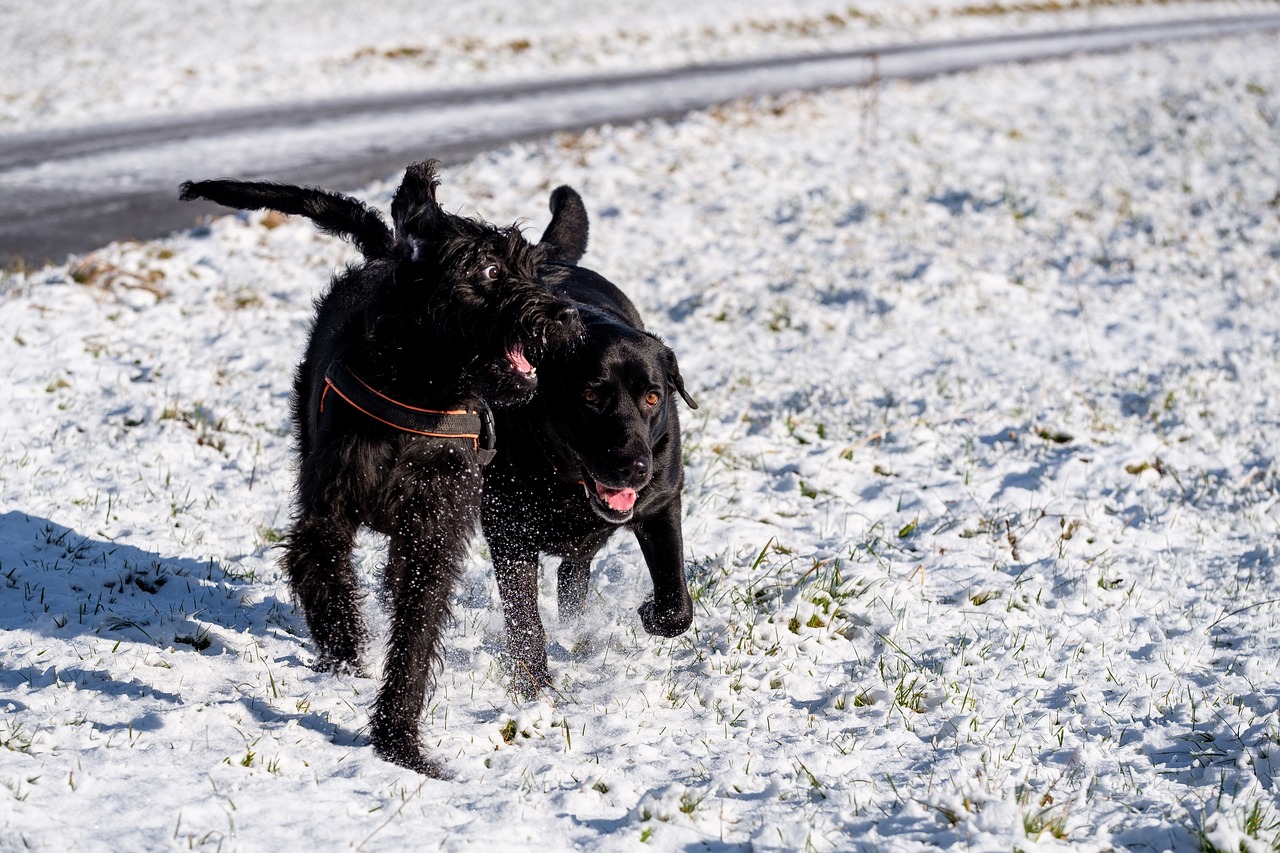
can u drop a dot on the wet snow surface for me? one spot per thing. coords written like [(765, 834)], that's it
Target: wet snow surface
[(981, 516)]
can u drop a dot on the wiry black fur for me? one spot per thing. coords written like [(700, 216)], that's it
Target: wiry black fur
[(604, 420), (423, 321)]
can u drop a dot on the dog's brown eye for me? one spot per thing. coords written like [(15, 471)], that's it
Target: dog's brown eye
[(492, 272), (591, 396), (652, 398)]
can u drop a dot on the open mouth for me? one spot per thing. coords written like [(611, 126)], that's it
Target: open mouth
[(615, 505), (520, 363)]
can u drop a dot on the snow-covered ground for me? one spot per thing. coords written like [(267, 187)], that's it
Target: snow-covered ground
[(982, 516)]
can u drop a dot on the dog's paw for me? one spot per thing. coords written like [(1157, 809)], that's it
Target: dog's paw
[(409, 755), (666, 623), (339, 666), (529, 683)]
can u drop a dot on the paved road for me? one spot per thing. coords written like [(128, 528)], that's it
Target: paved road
[(74, 190)]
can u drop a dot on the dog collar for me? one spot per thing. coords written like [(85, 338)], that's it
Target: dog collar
[(475, 424)]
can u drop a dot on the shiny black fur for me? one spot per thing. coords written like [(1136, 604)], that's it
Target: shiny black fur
[(444, 312), (603, 428)]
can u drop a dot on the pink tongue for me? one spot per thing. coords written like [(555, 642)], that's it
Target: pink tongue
[(617, 499), (516, 356)]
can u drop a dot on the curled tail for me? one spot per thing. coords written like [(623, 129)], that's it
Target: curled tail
[(333, 213)]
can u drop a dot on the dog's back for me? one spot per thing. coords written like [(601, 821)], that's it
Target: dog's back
[(592, 293)]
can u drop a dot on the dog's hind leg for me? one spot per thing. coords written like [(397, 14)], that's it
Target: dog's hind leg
[(574, 573), (572, 577), (317, 561)]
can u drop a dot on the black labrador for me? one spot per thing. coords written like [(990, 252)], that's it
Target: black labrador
[(596, 450)]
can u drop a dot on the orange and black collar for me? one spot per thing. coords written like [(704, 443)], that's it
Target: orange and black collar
[(475, 424)]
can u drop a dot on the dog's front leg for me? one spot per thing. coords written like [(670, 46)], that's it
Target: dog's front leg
[(670, 612), (424, 559), (517, 577)]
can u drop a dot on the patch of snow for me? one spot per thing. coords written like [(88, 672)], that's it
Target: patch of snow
[(981, 516)]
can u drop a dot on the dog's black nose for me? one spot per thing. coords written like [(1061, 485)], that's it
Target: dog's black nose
[(568, 318), (635, 469)]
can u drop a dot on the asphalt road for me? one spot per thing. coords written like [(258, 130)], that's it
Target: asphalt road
[(71, 191)]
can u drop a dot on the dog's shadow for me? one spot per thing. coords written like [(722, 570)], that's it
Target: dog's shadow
[(66, 586), (60, 583)]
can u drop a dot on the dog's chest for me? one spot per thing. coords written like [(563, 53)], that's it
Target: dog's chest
[(544, 514)]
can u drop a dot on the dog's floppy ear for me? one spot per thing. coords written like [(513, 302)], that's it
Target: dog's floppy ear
[(673, 374), (414, 209), (566, 236)]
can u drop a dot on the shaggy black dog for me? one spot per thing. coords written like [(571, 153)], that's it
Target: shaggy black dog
[(596, 450), (391, 410)]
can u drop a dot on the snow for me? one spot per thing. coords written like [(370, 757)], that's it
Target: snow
[(981, 515), (69, 62)]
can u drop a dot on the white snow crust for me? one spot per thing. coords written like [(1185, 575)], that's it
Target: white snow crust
[(982, 509)]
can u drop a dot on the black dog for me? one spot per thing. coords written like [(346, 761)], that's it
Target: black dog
[(597, 449), (445, 316)]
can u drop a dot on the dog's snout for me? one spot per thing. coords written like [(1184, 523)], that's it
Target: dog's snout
[(569, 321), (633, 469)]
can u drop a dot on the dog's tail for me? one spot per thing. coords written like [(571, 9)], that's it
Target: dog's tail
[(333, 213)]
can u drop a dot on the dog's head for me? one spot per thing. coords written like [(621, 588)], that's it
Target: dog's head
[(607, 401), (610, 409), (465, 294), (476, 286)]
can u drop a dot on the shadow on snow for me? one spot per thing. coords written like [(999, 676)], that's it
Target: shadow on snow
[(59, 583)]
